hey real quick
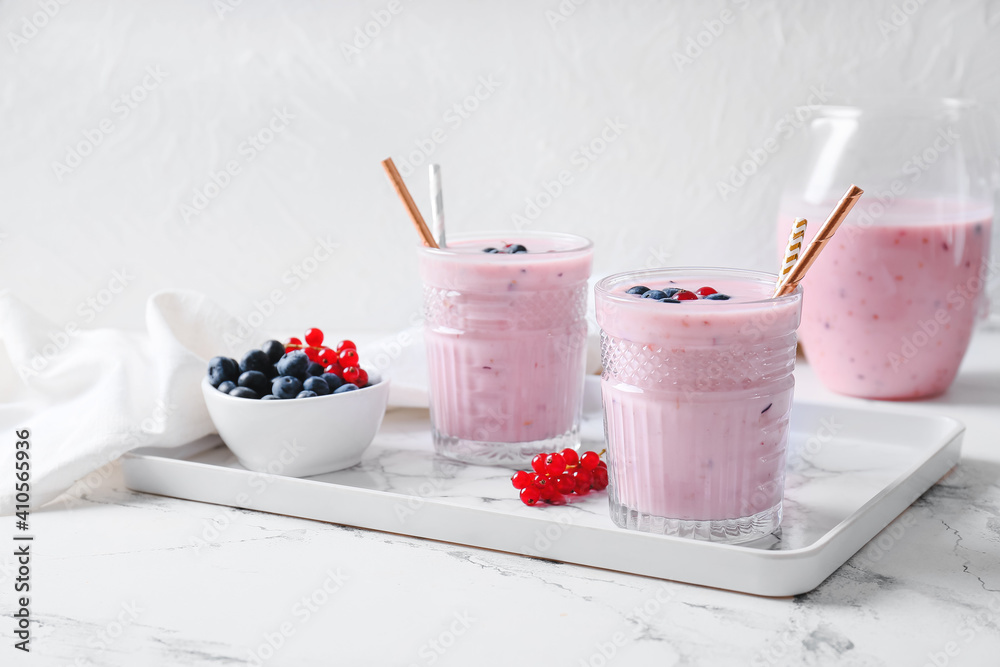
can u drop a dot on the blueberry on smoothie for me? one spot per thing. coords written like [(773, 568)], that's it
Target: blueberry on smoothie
[(638, 289), (286, 386), (515, 248), (254, 360), (671, 291), (717, 297), (654, 294), (668, 300), (492, 251)]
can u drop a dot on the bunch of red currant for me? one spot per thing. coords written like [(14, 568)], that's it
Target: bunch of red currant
[(342, 361), (559, 474)]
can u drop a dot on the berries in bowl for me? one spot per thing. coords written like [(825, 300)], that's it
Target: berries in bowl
[(279, 411)]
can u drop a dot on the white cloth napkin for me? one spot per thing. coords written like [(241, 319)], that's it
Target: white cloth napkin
[(87, 396)]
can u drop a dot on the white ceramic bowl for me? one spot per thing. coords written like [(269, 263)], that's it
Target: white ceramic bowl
[(298, 437)]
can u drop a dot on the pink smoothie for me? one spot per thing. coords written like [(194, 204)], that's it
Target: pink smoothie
[(697, 397), (506, 343), (891, 303)]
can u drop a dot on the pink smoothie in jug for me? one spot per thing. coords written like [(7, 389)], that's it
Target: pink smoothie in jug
[(891, 302)]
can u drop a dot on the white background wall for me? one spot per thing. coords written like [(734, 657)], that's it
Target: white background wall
[(649, 199)]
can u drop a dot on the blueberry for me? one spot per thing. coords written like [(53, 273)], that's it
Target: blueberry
[(226, 387), (515, 249), (492, 251), (344, 388), (244, 392), (257, 381), (270, 397), (332, 381), (286, 386), (638, 289), (718, 297), (317, 385), (671, 291), (306, 394), (314, 369), (221, 369), (271, 372), (274, 350), (668, 300), (254, 360), (654, 294), (295, 363)]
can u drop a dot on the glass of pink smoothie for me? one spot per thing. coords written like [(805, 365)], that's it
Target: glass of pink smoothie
[(697, 397), (893, 300), (506, 344)]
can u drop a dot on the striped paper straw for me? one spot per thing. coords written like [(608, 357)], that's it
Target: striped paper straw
[(437, 205), (792, 251)]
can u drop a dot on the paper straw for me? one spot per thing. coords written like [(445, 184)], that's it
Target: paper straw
[(411, 208), (792, 251), (824, 234), (437, 206)]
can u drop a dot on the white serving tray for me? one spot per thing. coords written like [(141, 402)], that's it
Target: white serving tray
[(850, 473)]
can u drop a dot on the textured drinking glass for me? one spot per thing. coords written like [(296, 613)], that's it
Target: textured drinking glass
[(506, 344), (892, 301), (696, 402)]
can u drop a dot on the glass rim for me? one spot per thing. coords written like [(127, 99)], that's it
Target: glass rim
[(585, 244), (601, 288)]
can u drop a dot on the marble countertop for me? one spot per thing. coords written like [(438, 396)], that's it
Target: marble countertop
[(123, 578)]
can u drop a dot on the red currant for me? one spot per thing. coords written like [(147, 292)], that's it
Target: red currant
[(362, 378), (582, 479), (351, 374), (565, 483), (556, 499), (538, 463), (530, 495), (570, 457), (521, 479), (705, 291), (314, 337), (538, 480), (685, 295), (589, 460), (335, 369), (348, 357), (599, 480), (313, 354), (327, 357), (295, 341), (555, 464), (292, 348), (345, 344)]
